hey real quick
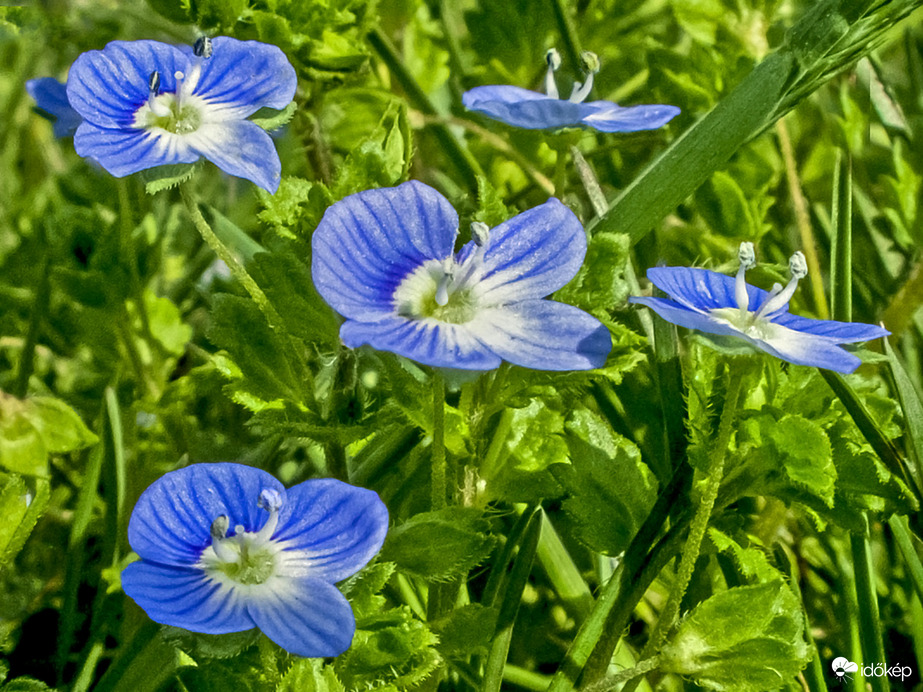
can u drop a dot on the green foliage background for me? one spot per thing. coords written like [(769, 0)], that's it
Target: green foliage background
[(126, 351)]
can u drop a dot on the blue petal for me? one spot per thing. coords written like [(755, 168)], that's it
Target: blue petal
[(806, 349), (338, 528), (607, 116), (532, 255), (171, 523), (367, 243), (51, 98), (702, 289), (241, 148), (838, 332), (186, 598), (681, 315), (107, 86), (306, 617), (426, 341), (241, 77), (523, 108), (123, 152), (544, 335)]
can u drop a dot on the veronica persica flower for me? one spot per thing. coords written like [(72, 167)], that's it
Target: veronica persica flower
[(226, 548), (385, 260), (535, 111), (147, 104), (718, 304), (50, 98)]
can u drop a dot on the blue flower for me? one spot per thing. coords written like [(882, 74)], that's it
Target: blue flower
[(147, 104), (50, 97), (385, 260), (719, 304), (226, 548), (534, 111)]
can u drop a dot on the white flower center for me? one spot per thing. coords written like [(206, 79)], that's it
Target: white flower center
[(247, 557), (758, 323), (444, 290), (181, 112)]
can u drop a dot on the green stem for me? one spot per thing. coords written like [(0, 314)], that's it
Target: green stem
[(563, 574), (225, 255), (904, 540), (568, 32), (591, 184), (712, 479), (591, 651), (439, 463), (873, 649), (509, 608), (514, 675), (39, 311), (626, 676)]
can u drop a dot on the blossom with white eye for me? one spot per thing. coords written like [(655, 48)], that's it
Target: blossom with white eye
[(225, 548), (719, 304), (532, 110), (147, 104)]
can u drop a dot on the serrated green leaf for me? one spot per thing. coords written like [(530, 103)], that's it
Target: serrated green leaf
[(466, 630), (310, 675), (363, 589), (26, 684), (296, 208), (271, 119), (601, 284), (745, 639), (20, 510), (611, 490), (162, 178), (205, 646), (288, 285), (439, 546), (805, 453), (393, 651), (263, 371), (752, 562)]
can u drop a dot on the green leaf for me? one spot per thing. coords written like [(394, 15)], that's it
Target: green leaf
[(256, 358), (467, 630), (26, 684), (363, 589), (288, 285), (752, 562), (611, 490), (167, 177), (270, 119), (439, 546), (310, 675), (725, 206), (804, 450), (296, 208), (33, 428), (601, 284), (166, 323), (745, 639), (205, 646), (20, 510), (393, 651)]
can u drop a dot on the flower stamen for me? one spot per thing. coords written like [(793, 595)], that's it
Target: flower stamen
[(591, 66), (553, 58), (747, 258), (777, 299)]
